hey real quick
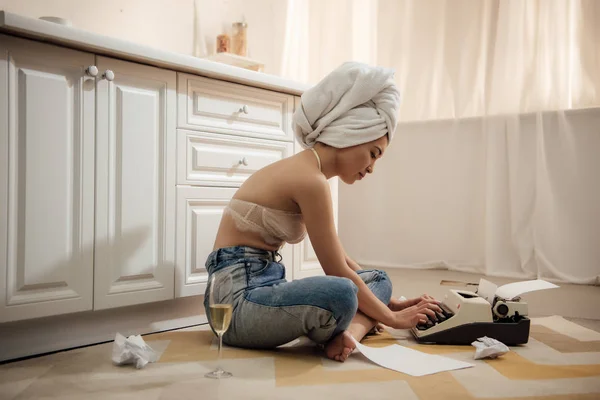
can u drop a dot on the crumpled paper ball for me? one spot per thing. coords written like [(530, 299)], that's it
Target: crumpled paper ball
[(486, 347), (132, 350)]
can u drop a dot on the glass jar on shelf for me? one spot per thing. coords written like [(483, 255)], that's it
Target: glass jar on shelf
[(239, 38)]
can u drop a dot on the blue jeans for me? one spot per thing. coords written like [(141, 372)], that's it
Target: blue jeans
[(268, 311)]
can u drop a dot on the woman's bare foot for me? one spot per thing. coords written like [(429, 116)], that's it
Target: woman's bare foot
[(340, 347), (377, 329)]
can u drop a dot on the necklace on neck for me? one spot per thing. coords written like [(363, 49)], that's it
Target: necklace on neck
[(318, 158)]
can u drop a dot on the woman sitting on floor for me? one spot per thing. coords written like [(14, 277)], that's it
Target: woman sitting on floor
[(346, 123)]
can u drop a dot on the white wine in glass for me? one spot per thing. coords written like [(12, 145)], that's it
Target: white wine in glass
[(220, 297), (220, 315)]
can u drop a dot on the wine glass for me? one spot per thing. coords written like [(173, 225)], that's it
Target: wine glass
[(220, 297)]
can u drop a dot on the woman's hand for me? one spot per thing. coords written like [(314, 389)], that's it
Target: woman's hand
[(411, 316), (399, 305)]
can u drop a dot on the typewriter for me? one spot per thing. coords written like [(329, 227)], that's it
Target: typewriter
[(466, 316)]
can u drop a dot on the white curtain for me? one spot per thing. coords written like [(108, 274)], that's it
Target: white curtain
[(456, 58), (514, 196), (494, 166)]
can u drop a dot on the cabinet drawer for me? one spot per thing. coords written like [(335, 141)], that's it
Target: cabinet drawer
[(230, 108), (221, 160)]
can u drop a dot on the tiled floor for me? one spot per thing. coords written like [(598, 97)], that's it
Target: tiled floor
[(562, 360)]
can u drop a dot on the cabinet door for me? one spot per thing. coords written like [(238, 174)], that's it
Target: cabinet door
[(46, 180), (199, 211), (135, 184)]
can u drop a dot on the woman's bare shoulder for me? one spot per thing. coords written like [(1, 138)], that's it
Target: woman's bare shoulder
[(283, 183), (303, 179)]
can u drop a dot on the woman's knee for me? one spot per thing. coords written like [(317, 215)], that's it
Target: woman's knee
[(344, 300), (337, 296), (339, 302), (379, 282), (382, 276)]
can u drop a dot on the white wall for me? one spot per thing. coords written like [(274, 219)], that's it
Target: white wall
[(163, 24), (266, 27), (181, 26), (424, 203)]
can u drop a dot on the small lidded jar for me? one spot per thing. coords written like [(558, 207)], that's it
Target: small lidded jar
[(239, 39), (223, 43)]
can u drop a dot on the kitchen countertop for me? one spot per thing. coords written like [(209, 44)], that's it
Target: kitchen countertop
[(103, 45)]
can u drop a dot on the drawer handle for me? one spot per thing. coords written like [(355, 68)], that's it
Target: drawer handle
[(243, 161), (244, 109)]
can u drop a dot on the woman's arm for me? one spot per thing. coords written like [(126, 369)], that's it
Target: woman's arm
[(352, 264), (314, 198)]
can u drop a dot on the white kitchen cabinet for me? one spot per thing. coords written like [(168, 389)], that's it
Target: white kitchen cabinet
[(100, 206), (46, 180), (135, 184)]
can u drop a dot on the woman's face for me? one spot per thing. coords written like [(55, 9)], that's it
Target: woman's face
[(354, 163)]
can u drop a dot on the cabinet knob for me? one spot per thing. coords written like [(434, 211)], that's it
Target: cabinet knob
[(108, 75), (92, 70), (243, 161), (244, 109)]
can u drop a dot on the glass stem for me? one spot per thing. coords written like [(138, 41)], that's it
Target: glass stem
[(220, 350)]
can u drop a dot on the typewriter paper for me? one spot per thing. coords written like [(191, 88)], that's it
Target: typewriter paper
[(409, 361), (512, 290), (487, 290)]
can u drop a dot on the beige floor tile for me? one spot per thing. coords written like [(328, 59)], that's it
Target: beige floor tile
[(14, 381), (393, 390), (587, 323)]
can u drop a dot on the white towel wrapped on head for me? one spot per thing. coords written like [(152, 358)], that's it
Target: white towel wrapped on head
[(354, 104)]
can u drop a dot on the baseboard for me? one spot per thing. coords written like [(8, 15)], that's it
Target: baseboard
[(439, 265), (44, 335), (445, 266)]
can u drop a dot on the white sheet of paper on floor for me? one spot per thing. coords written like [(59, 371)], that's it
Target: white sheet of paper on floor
[(132, 350), (409, 361), (512, 290)]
